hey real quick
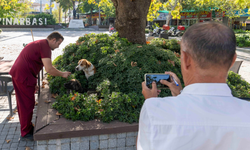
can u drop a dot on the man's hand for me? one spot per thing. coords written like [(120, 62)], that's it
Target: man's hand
[(36, 88), (66, 74), (175, 90), (148, 93)]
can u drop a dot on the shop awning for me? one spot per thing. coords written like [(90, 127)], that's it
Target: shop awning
[(244, 13)]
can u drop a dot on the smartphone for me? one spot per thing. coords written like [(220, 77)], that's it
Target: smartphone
[(150, 77)]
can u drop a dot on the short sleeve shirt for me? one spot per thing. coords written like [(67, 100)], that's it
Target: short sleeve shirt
[(29, 62)]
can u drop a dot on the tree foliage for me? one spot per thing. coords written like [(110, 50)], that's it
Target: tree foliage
[(12, 8), (85, 6), (228, 6), (153, 10), (175, 8), (107, 8), (65, 4), (47, 7), (57, 13), (231, 6)]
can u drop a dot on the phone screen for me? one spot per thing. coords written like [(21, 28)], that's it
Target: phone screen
[(149, 78)]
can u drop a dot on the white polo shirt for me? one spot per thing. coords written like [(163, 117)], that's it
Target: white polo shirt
[(205, 116)]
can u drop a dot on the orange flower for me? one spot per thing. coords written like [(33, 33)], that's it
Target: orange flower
[(98, 101), (172, 62), (148, 42), (164, 42), (75, 94), (73, 98), (117, 51), (177, 54), (133, 64)]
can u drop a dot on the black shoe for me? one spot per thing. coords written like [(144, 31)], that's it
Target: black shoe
[(27, 137)]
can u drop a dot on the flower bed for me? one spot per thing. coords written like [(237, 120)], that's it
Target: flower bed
[(120, 70), (53, 131)]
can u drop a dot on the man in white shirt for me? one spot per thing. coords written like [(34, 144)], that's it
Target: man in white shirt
[(204, 115)]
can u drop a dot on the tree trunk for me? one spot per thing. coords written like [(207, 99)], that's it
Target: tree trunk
[(59, 14), (230, 23), (169, 13), (168, 18), (199, 16), (69, 15), (131, 18), (90, 16)]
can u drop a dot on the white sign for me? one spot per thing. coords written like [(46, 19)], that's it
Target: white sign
[(76, 23), (16, 21), (162, 16)]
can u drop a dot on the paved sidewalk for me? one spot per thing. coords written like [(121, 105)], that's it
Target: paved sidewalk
[(243, 54), (10, 129)]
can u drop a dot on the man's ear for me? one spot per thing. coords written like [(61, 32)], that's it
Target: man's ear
[(234, 58), (187, 60)]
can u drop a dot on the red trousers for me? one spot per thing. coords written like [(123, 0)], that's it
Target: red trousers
[(25, 99)]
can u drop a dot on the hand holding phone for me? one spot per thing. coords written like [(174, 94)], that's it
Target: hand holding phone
[(157, 77), (175, 84)]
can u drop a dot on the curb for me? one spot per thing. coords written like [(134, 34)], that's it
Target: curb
[(52, 29), (243, 49), (27, 29), (77, 29)]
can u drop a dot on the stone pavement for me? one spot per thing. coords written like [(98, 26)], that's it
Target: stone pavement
[(10, 129), (11, 44), (243, 54)]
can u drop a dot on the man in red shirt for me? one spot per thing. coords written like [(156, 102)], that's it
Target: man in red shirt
[(24, 73)]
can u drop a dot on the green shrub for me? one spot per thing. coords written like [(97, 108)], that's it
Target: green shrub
[(239, 87), (243, 40), (117, 82), (240, 31), (146, 30), (0, 30), (65, 24), (50, 19), (171, 44)]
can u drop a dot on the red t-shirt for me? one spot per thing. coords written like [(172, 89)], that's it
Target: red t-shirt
[(29, 62)]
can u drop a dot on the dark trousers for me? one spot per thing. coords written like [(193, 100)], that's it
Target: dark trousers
[(25, 99)]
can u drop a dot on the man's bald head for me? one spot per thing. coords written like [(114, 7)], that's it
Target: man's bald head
[(210, 44)]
